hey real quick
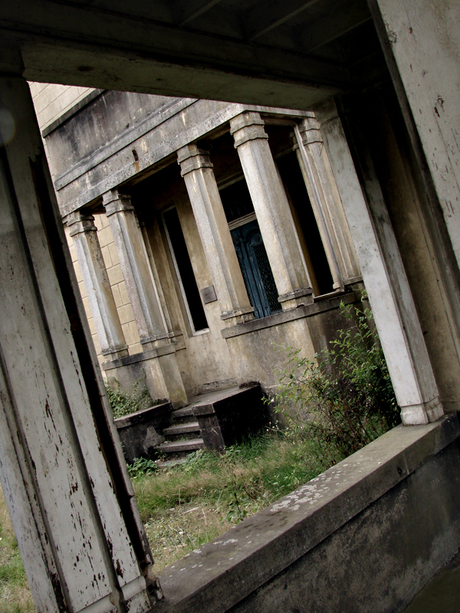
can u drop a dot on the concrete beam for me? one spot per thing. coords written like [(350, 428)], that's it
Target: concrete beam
[(76, 44)]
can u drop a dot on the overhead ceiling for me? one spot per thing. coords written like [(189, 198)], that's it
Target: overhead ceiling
[(286, 53)]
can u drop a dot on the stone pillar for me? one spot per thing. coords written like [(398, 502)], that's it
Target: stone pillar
[(132, 254), (272, 210), (326, 203), (97, 284), (162, 376), (197, 170), (65, 483), (385, 279)]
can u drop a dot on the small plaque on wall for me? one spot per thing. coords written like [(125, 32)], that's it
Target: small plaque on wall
[(208, 294)]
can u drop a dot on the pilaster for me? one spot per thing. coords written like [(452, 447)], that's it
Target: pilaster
[(154, 336), (97, 284), (325, 200), (68, 494), (385, 279), (198, 174), (272, 210)]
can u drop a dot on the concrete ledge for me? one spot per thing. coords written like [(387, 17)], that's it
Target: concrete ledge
[(262, 564), (329, 302), (140, 432), (150, 354)]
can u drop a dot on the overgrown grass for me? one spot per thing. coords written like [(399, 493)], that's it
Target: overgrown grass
[(192, 503), (195, 502), (15, 595)]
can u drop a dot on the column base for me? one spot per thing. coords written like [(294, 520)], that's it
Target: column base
[(240, 316), (116, 354), (421, 414), (157, 367), (299, 297)]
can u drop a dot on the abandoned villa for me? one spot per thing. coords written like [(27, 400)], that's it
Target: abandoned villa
[(219, 177)]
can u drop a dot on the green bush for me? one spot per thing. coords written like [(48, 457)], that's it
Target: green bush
[(343, 397), (124, 403), (141, 467)]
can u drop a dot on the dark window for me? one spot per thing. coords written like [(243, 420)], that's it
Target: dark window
[(257, 274), (291, 175), (250, 249), (184, 270), (236, 201)]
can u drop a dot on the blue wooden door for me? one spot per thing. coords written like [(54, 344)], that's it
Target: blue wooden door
[(256, 270)]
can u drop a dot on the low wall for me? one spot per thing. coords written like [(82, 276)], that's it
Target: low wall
[(259, 347), (141, 432), (366, 535)]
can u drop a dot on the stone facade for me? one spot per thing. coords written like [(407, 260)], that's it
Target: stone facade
[(204, 235), (382, 78)]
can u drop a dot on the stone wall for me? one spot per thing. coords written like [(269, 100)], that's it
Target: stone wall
[(366, 535)]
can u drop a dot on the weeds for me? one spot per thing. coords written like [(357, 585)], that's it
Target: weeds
[(343, 398), (14, 591), (124, 403), (192, 503)]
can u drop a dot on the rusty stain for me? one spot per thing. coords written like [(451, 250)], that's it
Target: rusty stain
[(439, 103), (119, 569)]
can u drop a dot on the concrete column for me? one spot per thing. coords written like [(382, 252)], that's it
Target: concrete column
[(421, 42), (272, 210), (163, 377), (97, 284), (197, 170), (134, 263), (385, 279), (65, 483), (326, 203)]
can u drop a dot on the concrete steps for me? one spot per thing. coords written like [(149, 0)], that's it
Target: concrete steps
[(182, 430), (212, 421), (182, 437), (175, 447)]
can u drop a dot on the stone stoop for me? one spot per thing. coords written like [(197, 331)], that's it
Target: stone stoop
[(212, 421), (215, 420), (183, 436)]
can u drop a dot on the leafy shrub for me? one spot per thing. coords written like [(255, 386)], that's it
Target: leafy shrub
[(343, 397), (141, 467), (124, 403)]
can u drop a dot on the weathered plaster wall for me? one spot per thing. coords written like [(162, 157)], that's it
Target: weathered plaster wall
[(424, 47), (51, 100), (259, 348), (121, 135)]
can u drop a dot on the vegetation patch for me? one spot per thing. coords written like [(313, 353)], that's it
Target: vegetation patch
[(343, 398), (331, 406), (15, 596), (124, 403), (189, 504)]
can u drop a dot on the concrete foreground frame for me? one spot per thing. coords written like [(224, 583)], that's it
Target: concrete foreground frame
[(65, 485)]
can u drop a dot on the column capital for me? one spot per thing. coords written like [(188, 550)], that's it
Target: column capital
[(247, 126), (192, 157), (79, 222), (309, 130), (115, 202)]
